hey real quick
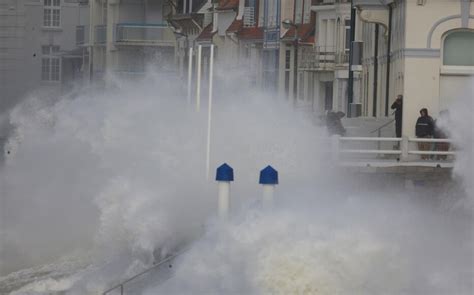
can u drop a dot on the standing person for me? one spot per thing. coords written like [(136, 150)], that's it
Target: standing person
[(334, 124), (398, 107), (424, 129), (440, 133)]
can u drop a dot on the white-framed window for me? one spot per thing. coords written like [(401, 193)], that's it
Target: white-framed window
[(50, 63), (52, 13)]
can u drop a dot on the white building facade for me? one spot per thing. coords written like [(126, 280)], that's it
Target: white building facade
[(430, 60), (38, 38)]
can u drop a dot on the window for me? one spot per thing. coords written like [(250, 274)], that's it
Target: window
[(457, 50), (50, 63), (287, 59), (298, 11), (287, 71), (328, 95), (347, 24), (51, 13), (307, 12)]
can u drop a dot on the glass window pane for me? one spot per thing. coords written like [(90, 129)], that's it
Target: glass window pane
[(458, 49), (287, 59), (47, 2), (56, 14), (348, 39), (55, 2), (55, 69), (47, 18), (45, 69)]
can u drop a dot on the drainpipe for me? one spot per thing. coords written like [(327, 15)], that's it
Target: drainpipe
[(350, 82), (295, 75), (389, 49), (376, 70)]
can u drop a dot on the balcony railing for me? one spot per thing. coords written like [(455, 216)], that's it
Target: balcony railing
[(100, 36), (249, 17), (321, 57), (144, 34), (373, 2), (328, 2), (309, 58), (342, 58)]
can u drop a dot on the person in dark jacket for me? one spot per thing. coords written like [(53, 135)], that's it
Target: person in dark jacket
[(424, 129), (334, 124), (398, 107)]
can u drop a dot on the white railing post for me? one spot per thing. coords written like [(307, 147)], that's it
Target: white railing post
[(190, 73), (198, 79), (404, 146), (268, 179), (209, 112), (335, 147), (224, 176)]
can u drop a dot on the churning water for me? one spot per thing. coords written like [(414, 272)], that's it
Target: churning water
[(96, 188)]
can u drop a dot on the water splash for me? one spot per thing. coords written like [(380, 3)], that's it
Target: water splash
[(120, 174)]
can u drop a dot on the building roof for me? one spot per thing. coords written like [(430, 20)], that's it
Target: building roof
[(310, 39), (228, 4), (304, 32), (206, 34), (187, 22), (235, 26), (250, 34)]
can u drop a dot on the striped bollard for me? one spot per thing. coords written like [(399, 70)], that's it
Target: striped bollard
[(268, 180), (224, 175)]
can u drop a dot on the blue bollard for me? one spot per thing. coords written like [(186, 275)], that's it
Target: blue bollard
[(268, 180), (224, 175)]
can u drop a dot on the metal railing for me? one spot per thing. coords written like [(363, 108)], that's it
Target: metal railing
[(249, 16), (328, 2), (100, 36), (149, 34), (321, 57), (406, 147), (121, 286), (342, 58), (379, 130)]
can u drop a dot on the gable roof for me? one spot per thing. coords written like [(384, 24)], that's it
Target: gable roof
[(206, 34), (228, 4), (250, 33), (235, 26), (304, 31)]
